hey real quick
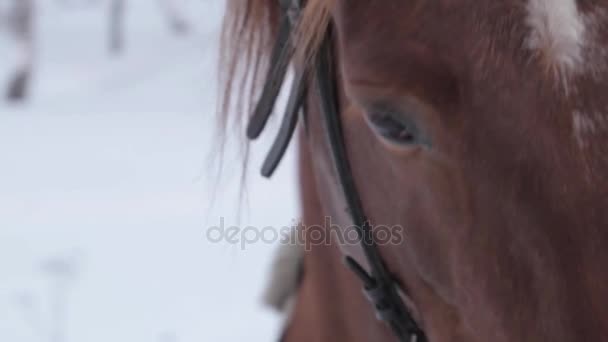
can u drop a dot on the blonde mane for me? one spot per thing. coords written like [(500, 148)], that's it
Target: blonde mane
[(248, 33)]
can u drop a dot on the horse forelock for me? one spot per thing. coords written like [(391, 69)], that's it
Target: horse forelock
[(249, 30)]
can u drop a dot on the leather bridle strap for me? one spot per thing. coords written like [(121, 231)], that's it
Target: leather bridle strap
[(379, 286)]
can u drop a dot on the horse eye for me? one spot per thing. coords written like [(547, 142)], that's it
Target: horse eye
[(394, 129)]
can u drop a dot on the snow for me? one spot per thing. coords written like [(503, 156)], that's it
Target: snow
[(107, 190)]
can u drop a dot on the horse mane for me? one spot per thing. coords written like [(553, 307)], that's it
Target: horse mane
[(249, 30)]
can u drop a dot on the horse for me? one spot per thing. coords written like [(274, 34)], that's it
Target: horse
[(480, 127)]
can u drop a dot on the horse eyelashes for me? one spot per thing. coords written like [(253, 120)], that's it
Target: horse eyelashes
[(394, 128)]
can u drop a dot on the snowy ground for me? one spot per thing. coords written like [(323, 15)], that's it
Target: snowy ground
[(107, 193)]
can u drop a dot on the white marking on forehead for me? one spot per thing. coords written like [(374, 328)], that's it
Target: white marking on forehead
[(557, 34), (585, 125)]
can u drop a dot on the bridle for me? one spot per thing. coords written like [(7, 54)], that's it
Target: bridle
[(379, 286)]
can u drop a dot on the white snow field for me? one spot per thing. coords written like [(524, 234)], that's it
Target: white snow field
[(107, 192)]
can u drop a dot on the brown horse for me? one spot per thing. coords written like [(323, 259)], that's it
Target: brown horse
[(481, 127)]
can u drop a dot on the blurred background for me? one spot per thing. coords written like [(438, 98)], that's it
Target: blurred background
[(108, 186)]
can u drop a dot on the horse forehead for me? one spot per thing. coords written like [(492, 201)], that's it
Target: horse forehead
[(567, 40), (558, 30)]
